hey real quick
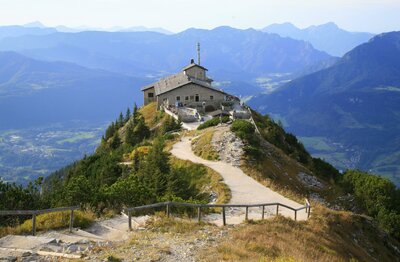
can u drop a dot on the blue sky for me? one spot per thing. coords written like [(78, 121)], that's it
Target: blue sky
[(177, 15)]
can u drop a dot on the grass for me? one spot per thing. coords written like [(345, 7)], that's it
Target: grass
[(209, 181), (327, 236), (163, 224), (202, 146), (50, 221)]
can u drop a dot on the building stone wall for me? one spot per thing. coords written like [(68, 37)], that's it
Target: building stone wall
[(147, 98), (196, 72), (187, 95)]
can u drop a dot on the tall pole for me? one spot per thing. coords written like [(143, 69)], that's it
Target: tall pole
[(198, 53)]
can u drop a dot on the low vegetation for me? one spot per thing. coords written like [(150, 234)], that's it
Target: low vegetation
[(130, 167), (378, 197), (202, 146), (327, 236), (50, 221), (213, 122)]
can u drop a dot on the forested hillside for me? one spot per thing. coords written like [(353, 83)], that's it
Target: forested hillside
[(132, 167), (349, 112)]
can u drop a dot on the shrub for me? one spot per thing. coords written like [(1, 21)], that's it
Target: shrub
[(213, 122), (244, 130), (378, 196)]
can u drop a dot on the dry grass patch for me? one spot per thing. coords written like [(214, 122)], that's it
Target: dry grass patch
[(202, 146), (327, 236), (51, 221)]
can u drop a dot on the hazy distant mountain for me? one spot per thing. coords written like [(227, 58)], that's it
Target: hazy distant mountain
[(34, 92), (66, 29), (356, 102), (327, 37), (224, 49), (16, 30), (36, 24), (146, 29)]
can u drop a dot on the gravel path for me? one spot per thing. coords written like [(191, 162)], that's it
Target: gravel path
[(244, 189)]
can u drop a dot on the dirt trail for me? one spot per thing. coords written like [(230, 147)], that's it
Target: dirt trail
[(244, 189)]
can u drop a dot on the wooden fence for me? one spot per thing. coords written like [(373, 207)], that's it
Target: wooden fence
[(34, 213), (168, 206)]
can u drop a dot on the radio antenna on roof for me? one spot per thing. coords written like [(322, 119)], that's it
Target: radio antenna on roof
[(198, 53)]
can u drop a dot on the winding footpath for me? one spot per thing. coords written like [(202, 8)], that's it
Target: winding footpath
[(244, 189)]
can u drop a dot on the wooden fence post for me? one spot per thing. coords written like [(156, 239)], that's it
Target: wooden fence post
[(263, 212), (130, 220), (247, 213), (167, 210), (277, 209), (223, 216), (34, 224), (295, 215), (309, 211), (198, 214), (71, 220)]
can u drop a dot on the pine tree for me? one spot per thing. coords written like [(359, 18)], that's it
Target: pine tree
[(120, 120), (116, 141), (130, 138), (135, 111), (110, 131), (127, 115)]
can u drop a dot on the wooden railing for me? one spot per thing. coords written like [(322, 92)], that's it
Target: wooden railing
[(168, 206), (34, 213)]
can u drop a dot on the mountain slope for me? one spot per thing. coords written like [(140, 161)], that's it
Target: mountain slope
[(225, 49), (327, 37), (356, 103), (35, 92), (15, 31)]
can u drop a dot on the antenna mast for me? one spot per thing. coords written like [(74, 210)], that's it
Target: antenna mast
[(198, 53)]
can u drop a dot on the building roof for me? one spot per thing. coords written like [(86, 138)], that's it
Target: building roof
[(194, 65), (172, 82), (180, 79)]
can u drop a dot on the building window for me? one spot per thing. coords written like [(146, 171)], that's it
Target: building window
[(186, 98), (178, 98), (191, 98), (197, 98), (151, 95), (211, 97)]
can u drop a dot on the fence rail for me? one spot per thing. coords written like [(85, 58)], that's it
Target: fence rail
[(168, 206), (41, 211)]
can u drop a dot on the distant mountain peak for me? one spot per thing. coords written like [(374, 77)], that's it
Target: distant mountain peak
[(330, 25), (34, 24), (326, 37)]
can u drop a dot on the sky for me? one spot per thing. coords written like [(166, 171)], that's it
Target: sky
[(177, 15)]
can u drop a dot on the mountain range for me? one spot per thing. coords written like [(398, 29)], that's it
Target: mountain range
[(225, 50), (355, 103), (326, 37), (36, 92)]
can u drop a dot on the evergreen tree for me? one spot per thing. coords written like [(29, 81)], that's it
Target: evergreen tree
[(116, 141), (130, 138), (120, 121), (155, 170), (135, 111), (127, 115), (141, 131), (110, 131)]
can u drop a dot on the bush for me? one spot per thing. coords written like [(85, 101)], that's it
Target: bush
[(378, 196), (244, 130), (213, 122)]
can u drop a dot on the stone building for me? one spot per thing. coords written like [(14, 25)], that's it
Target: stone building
[(189, 88)]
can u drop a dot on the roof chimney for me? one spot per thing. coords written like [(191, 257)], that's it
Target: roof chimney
[(192, 61)]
